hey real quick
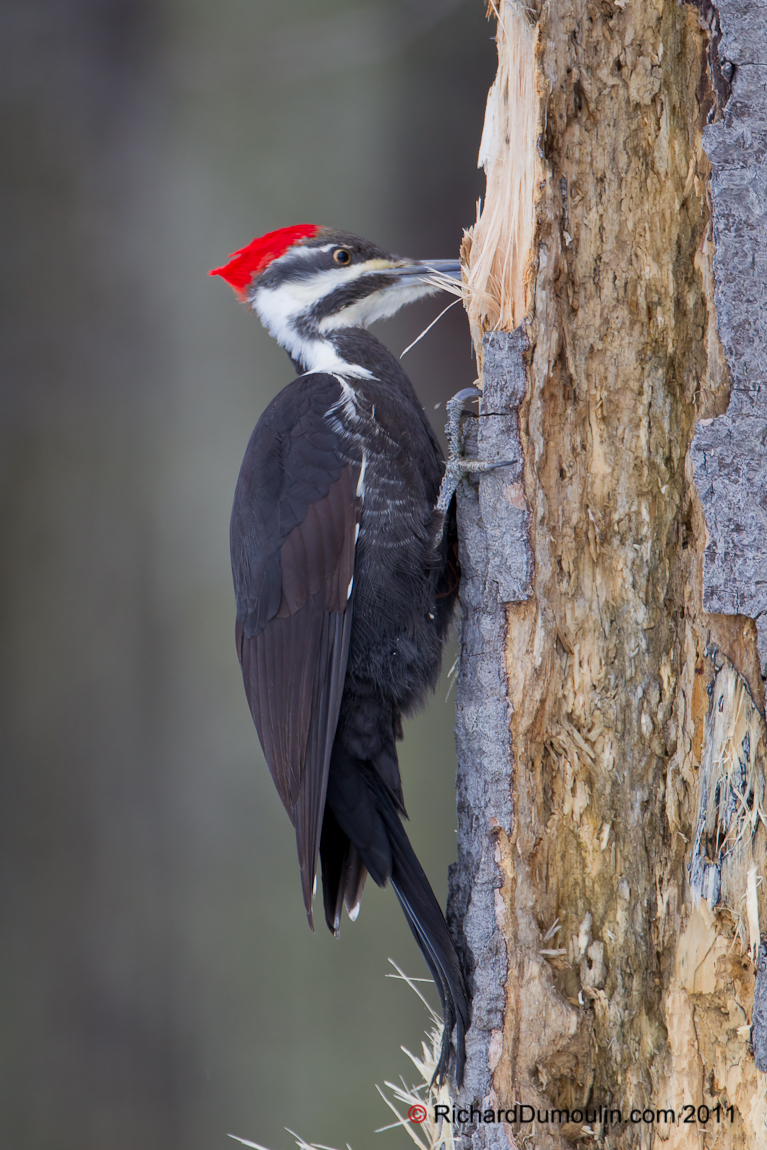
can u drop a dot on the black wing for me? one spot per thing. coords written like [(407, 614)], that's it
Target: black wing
[(293, 533)]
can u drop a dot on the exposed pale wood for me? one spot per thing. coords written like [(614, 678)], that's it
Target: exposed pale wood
[(499, 246)]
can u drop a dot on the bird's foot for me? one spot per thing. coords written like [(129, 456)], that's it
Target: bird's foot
[(457, 464)]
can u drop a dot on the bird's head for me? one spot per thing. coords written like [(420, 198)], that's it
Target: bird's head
[(308, 283)]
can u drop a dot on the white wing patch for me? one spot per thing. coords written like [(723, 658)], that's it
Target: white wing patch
[(348, 400), (361, 481)]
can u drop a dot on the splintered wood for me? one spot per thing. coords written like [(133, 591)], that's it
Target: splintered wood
[(499, 248), (633, 879), (730, 803)]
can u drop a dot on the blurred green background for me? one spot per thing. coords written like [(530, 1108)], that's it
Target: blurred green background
[(159, 986)]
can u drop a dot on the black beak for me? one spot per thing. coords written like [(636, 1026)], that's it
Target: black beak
[(428, 270)]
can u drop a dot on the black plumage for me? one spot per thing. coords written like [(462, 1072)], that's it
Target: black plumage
[(345, 583)]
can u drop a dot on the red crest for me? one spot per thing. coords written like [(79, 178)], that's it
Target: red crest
[(259, 253)]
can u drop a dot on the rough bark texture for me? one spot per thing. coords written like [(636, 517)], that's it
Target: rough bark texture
[(496, 566), (616, 842), (730, 453)]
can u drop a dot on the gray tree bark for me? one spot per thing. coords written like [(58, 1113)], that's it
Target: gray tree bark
[(730, 452)]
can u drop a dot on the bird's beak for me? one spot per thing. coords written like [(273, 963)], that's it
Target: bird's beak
[(427, 271)]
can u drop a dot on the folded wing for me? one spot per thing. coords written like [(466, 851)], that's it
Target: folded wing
[(293, 542)]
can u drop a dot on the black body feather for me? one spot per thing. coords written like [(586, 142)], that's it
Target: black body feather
[(345, 590)]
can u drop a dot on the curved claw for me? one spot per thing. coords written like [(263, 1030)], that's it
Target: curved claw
[(463, 396), (481, 464), (454, 408), (453, 471)]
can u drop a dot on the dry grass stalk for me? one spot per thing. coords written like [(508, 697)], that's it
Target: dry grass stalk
[(429, 1134)]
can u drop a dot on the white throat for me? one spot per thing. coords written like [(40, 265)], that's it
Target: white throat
[(313, 351), (281, 309)]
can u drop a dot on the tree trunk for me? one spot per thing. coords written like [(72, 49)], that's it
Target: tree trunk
[(611, 739)]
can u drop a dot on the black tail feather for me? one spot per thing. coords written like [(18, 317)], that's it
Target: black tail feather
[(362, 809), (429, 928), (343, 873)]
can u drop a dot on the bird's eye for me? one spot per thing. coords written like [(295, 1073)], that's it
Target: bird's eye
[(341, 256)]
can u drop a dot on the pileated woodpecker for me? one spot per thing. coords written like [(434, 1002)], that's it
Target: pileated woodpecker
[(344, 575)]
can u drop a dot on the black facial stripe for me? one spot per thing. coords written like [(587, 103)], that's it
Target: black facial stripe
[(294, 270), (341, 298), (301, 267)]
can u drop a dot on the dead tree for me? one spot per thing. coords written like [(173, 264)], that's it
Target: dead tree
[(611, 737)]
